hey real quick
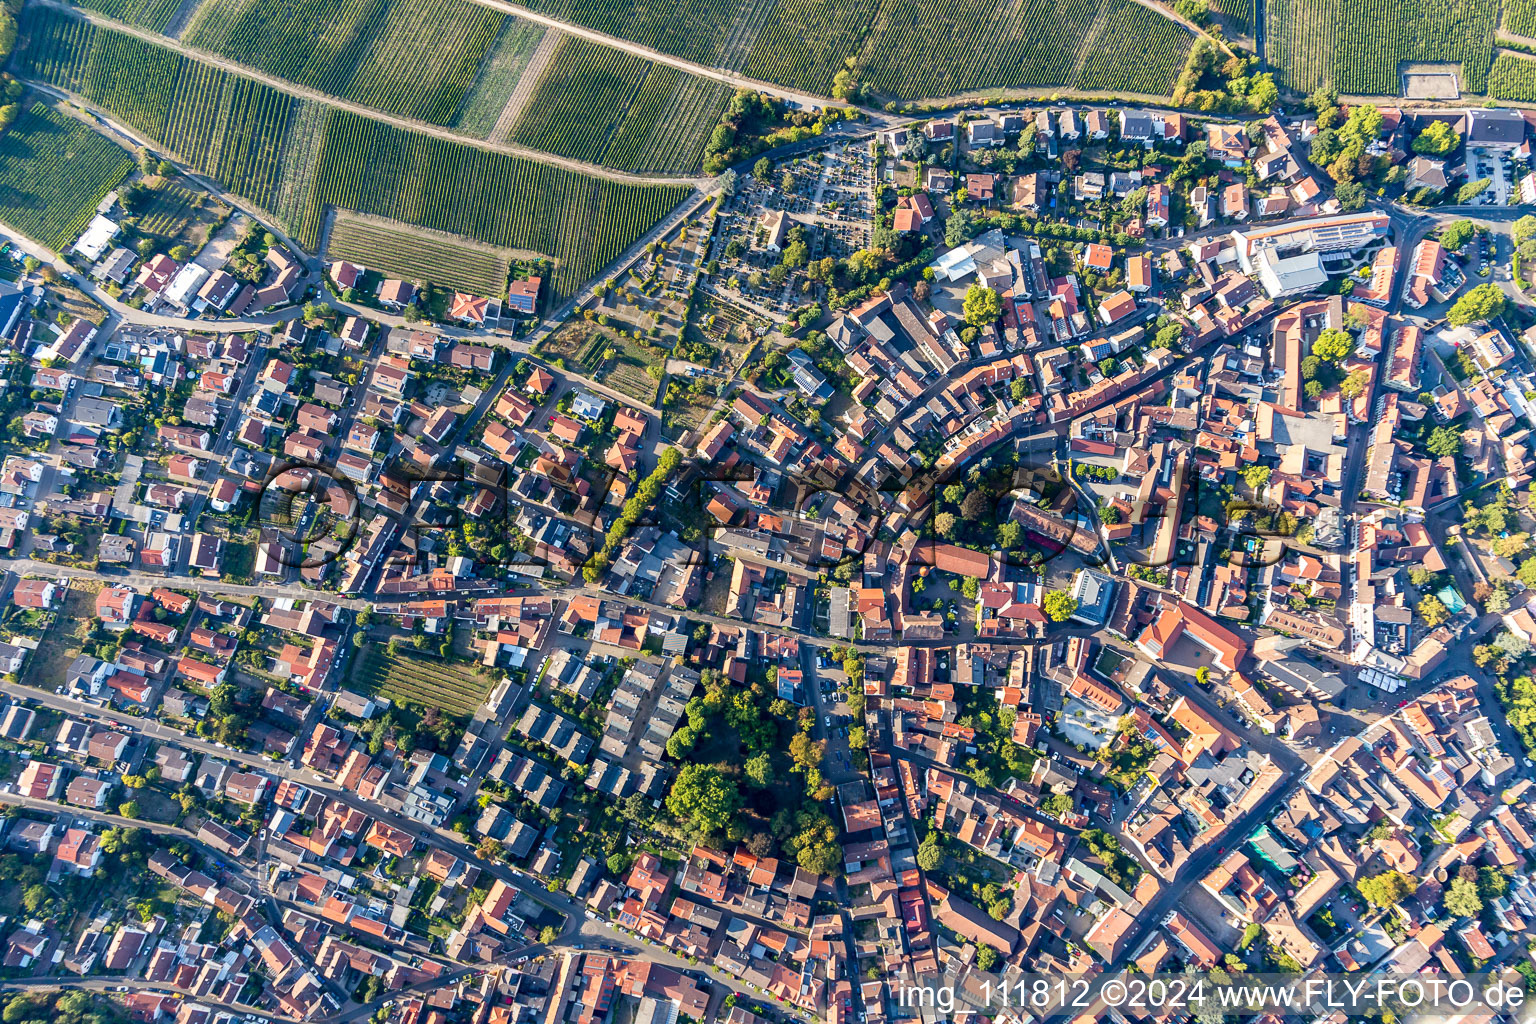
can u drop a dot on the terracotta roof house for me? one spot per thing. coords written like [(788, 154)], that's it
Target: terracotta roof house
[(468, 308), (35, 593), (115, 605)]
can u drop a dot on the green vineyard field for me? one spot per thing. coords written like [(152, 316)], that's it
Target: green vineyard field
[(53, 171), (169, 213), (504, 201), (420, 681), (498, 76), (226, 126), (607, 106), (907, 48), (405, 252), (1357, 46), (1513, 78), (1520, 17), (695, 29), (294, 159), (1237, 14), (415, 60), (152, 14)]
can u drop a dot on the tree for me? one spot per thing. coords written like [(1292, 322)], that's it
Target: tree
[(489, 849), (1461, 899), (1059, 605), (946, 525), (929, 853), (957, 230), (1387, 889), (1513, 645), (1491, 883), (129, 809), (1256, 476), (975, 505), (1523, 230), (759, 771), (1333, 345), (180, 253), (1354, 384), (1482, 303), (762, 170), (1458, 235), (982, 305), (705, 800), (1472, 189), (34, 898), (1202, 675), (1444, 441), (1432, 610), (986, 957), (1009, 534), (1437, 140), (1351, 196), (549, 933)]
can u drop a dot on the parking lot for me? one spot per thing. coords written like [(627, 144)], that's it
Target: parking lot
[(1496, 165)]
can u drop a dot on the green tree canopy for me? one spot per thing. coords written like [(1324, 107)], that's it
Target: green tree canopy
[(1461, 899), (1333, 345), (1059, 605), (1437, 140), (1458, 234), (705, 800), (1432, 610), (982, 305), (1444, 441), (1482, 303), (1387, 889)]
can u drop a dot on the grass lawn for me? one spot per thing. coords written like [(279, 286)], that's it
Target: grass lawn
[(627, 371), (683, 409), (567, 343), (61, 645), (239, 561)]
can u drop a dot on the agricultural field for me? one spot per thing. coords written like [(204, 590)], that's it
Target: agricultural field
[(1357, 45), (297, 159), (1134, 48), (1513, 78), (908, 48), (498, 77), (627, 365), (152, 14), (505, 201), (415, 60), (421, 681), (607, 356), (1520, 18), (1236, 15), (606, 106), (399, 250), (53, 171), (707, 31), (224, 125), (922, 49), (175, 210)]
